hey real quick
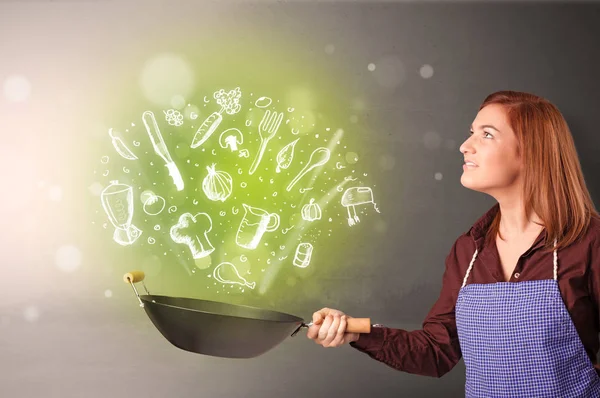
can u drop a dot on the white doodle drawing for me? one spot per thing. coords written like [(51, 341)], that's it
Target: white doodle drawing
[(266, 129), (285, 231), (318, 157), (161, 148), (303, 255), (231, 138), (173, 117), (227, 273), (244, 153), (302, 229), (335, 140), (311, 211), (217, 185), (356, 196), (120, 146), (117, 201), (191, 230), (154, 204), (339, 166), (285, 156), (253, 226), (104, 159), (229, 102), (263, 102)]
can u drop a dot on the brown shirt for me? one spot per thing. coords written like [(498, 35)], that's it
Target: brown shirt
[(435, 349)]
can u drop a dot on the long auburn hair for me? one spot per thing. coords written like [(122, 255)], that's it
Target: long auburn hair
[(554, 186)]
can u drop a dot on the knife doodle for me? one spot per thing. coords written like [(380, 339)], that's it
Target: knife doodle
[(161, 148)]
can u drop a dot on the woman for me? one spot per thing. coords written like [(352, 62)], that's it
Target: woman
[(521, 288)]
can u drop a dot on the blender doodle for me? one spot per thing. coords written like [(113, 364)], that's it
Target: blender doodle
[(117, 201)]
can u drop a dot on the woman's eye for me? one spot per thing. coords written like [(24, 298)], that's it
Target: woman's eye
[(485, 133)]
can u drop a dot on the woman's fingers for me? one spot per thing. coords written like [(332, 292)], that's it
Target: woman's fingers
[(328, 328), (341, 333), (324, 328), (332, 331)]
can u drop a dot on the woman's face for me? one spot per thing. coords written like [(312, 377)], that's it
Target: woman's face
[(492, 147)]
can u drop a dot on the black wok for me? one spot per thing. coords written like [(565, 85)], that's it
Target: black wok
[(221, 329)]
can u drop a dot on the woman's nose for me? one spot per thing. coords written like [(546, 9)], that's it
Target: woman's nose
[(466, 146)]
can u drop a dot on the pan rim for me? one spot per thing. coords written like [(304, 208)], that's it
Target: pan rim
[(296, 321)]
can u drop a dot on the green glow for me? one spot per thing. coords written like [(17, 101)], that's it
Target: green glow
[(316, 112)]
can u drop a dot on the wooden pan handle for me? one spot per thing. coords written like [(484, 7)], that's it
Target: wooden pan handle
[(133, 277), (358, 325)]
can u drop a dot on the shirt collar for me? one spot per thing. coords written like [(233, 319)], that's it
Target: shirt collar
[(480, 227)]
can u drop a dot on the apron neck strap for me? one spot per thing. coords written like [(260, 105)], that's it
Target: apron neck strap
[(555, 260)]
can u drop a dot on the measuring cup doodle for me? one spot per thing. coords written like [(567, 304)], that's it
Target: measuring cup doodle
[(253, 226)]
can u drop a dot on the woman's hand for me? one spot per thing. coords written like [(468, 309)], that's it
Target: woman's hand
[(329, 328)]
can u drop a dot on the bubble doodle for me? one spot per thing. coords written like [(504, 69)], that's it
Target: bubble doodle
[(157, 227), (104, 159), (172, 209)]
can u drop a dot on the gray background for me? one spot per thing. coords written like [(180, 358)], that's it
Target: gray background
[(61, 337)]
